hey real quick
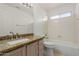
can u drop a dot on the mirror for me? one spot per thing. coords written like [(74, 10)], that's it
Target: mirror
[(22, 18), (16, 18)]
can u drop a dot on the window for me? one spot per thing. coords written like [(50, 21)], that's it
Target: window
[(67, 14)]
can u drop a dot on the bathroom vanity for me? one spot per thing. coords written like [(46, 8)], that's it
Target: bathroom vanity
[(15, 18), (34, 47)]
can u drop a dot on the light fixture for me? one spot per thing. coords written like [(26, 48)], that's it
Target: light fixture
[(28, 5)]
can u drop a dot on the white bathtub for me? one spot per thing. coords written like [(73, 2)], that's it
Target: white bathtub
[(63, 48)]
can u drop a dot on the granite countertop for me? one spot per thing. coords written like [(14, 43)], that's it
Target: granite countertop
[(4, 48)]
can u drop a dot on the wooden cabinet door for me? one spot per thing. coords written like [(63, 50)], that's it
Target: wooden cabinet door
[(18, 52), (41, 48), (32, 49)]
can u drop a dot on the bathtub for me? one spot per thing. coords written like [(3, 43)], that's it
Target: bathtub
[(60, 48)]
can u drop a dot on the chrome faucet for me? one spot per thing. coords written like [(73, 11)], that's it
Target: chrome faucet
[(12, 35), (16, 36)]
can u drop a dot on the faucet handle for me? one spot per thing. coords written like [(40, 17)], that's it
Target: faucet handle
[(11, 32), (17, 35)]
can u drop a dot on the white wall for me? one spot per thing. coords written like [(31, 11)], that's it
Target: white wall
[(62, 29), (39, 17), (14, 19), (77, 22)]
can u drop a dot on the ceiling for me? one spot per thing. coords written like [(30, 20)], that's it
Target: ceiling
[(45, 6), (49, 6)]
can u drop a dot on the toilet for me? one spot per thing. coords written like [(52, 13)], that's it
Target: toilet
[(60, 48), (50, 47)]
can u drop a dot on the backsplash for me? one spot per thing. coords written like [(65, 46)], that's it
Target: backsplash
[(8, 37)]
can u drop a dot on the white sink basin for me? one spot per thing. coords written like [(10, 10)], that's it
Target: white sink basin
[(17, 41)]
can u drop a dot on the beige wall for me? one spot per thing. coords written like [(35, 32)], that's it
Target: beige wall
[(63, 29), (77, 23)]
